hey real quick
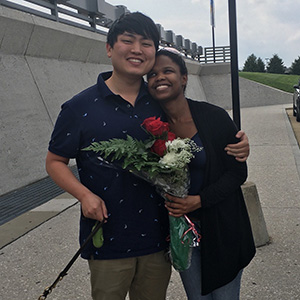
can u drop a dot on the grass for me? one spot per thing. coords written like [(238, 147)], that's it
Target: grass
[(279, 81)]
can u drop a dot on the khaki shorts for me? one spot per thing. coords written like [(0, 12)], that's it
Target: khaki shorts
[(144, 277)]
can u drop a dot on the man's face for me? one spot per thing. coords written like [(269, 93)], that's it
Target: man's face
[(132, 55)]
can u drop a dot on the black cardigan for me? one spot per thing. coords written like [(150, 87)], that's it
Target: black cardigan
[(227, 244)]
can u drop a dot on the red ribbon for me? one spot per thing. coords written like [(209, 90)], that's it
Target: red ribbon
[(193, 229)]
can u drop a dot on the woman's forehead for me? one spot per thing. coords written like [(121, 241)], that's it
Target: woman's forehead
[(163, 60)]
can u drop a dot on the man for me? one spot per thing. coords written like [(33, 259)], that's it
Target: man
[(132, 257)]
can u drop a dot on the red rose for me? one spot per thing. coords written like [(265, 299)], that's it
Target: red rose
[(171, 136), (147, 121), (155, 126), (159, 147)]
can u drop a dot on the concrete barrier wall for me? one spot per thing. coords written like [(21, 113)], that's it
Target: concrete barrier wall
[(32, 91), (43, 64), (256, 94), (216, 82)]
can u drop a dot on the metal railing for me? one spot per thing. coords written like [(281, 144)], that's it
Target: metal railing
[(85, 16), (98, 15), (217, 55)]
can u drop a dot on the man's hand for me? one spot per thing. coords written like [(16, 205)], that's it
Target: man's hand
[(93, 207), (240, 150)]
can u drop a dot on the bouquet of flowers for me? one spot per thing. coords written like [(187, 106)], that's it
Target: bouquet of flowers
[(163, 161)]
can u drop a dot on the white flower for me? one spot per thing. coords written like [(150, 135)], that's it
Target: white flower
[(184, 157), (176, 160), (169, 159), (177, 145), (179, 153)]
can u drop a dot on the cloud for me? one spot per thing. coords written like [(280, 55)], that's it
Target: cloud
[(269, 27), (264, 27)]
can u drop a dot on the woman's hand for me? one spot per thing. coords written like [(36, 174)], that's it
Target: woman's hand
[(178, 207), (240, 150)]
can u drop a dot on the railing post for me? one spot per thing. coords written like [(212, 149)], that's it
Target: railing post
[(54, 11), (93, 22)]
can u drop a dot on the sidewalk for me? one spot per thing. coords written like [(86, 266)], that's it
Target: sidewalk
[(33, 261)]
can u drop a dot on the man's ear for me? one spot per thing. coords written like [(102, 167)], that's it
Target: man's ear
[(108, 50)]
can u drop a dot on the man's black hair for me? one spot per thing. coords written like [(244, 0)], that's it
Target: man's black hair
[(136, 23)]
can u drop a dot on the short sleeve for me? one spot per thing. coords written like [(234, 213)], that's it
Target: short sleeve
[(65, 137)]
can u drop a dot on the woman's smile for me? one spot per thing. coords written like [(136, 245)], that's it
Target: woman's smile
[(162, 87)]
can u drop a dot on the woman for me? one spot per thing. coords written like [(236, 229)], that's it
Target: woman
[(215, 201)]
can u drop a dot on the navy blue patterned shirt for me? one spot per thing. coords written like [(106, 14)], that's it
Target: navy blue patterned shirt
[(138, 221)]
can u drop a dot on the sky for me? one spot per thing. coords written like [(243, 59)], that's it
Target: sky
[(264, 27)]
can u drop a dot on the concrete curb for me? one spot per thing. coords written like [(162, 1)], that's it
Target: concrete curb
[(26, 222)]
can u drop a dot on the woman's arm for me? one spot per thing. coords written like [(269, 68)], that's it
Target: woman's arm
[(226, 174)]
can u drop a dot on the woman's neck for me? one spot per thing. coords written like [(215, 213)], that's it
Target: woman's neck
[(180, 118), (177, 110)]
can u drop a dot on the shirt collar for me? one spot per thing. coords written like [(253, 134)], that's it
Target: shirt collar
[(106, 92)]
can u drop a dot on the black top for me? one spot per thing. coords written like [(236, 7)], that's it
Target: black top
[(227, 244)]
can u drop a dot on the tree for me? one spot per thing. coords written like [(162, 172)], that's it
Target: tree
[(253, 64), (260, 65), (276, 65), (295, 68), (250, 64)]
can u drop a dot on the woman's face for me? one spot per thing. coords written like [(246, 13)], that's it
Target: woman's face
[(165, 81)]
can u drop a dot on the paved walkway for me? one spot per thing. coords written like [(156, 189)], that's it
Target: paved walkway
[(33, 261)]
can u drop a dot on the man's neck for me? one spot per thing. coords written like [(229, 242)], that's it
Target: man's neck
[(128, 88)]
